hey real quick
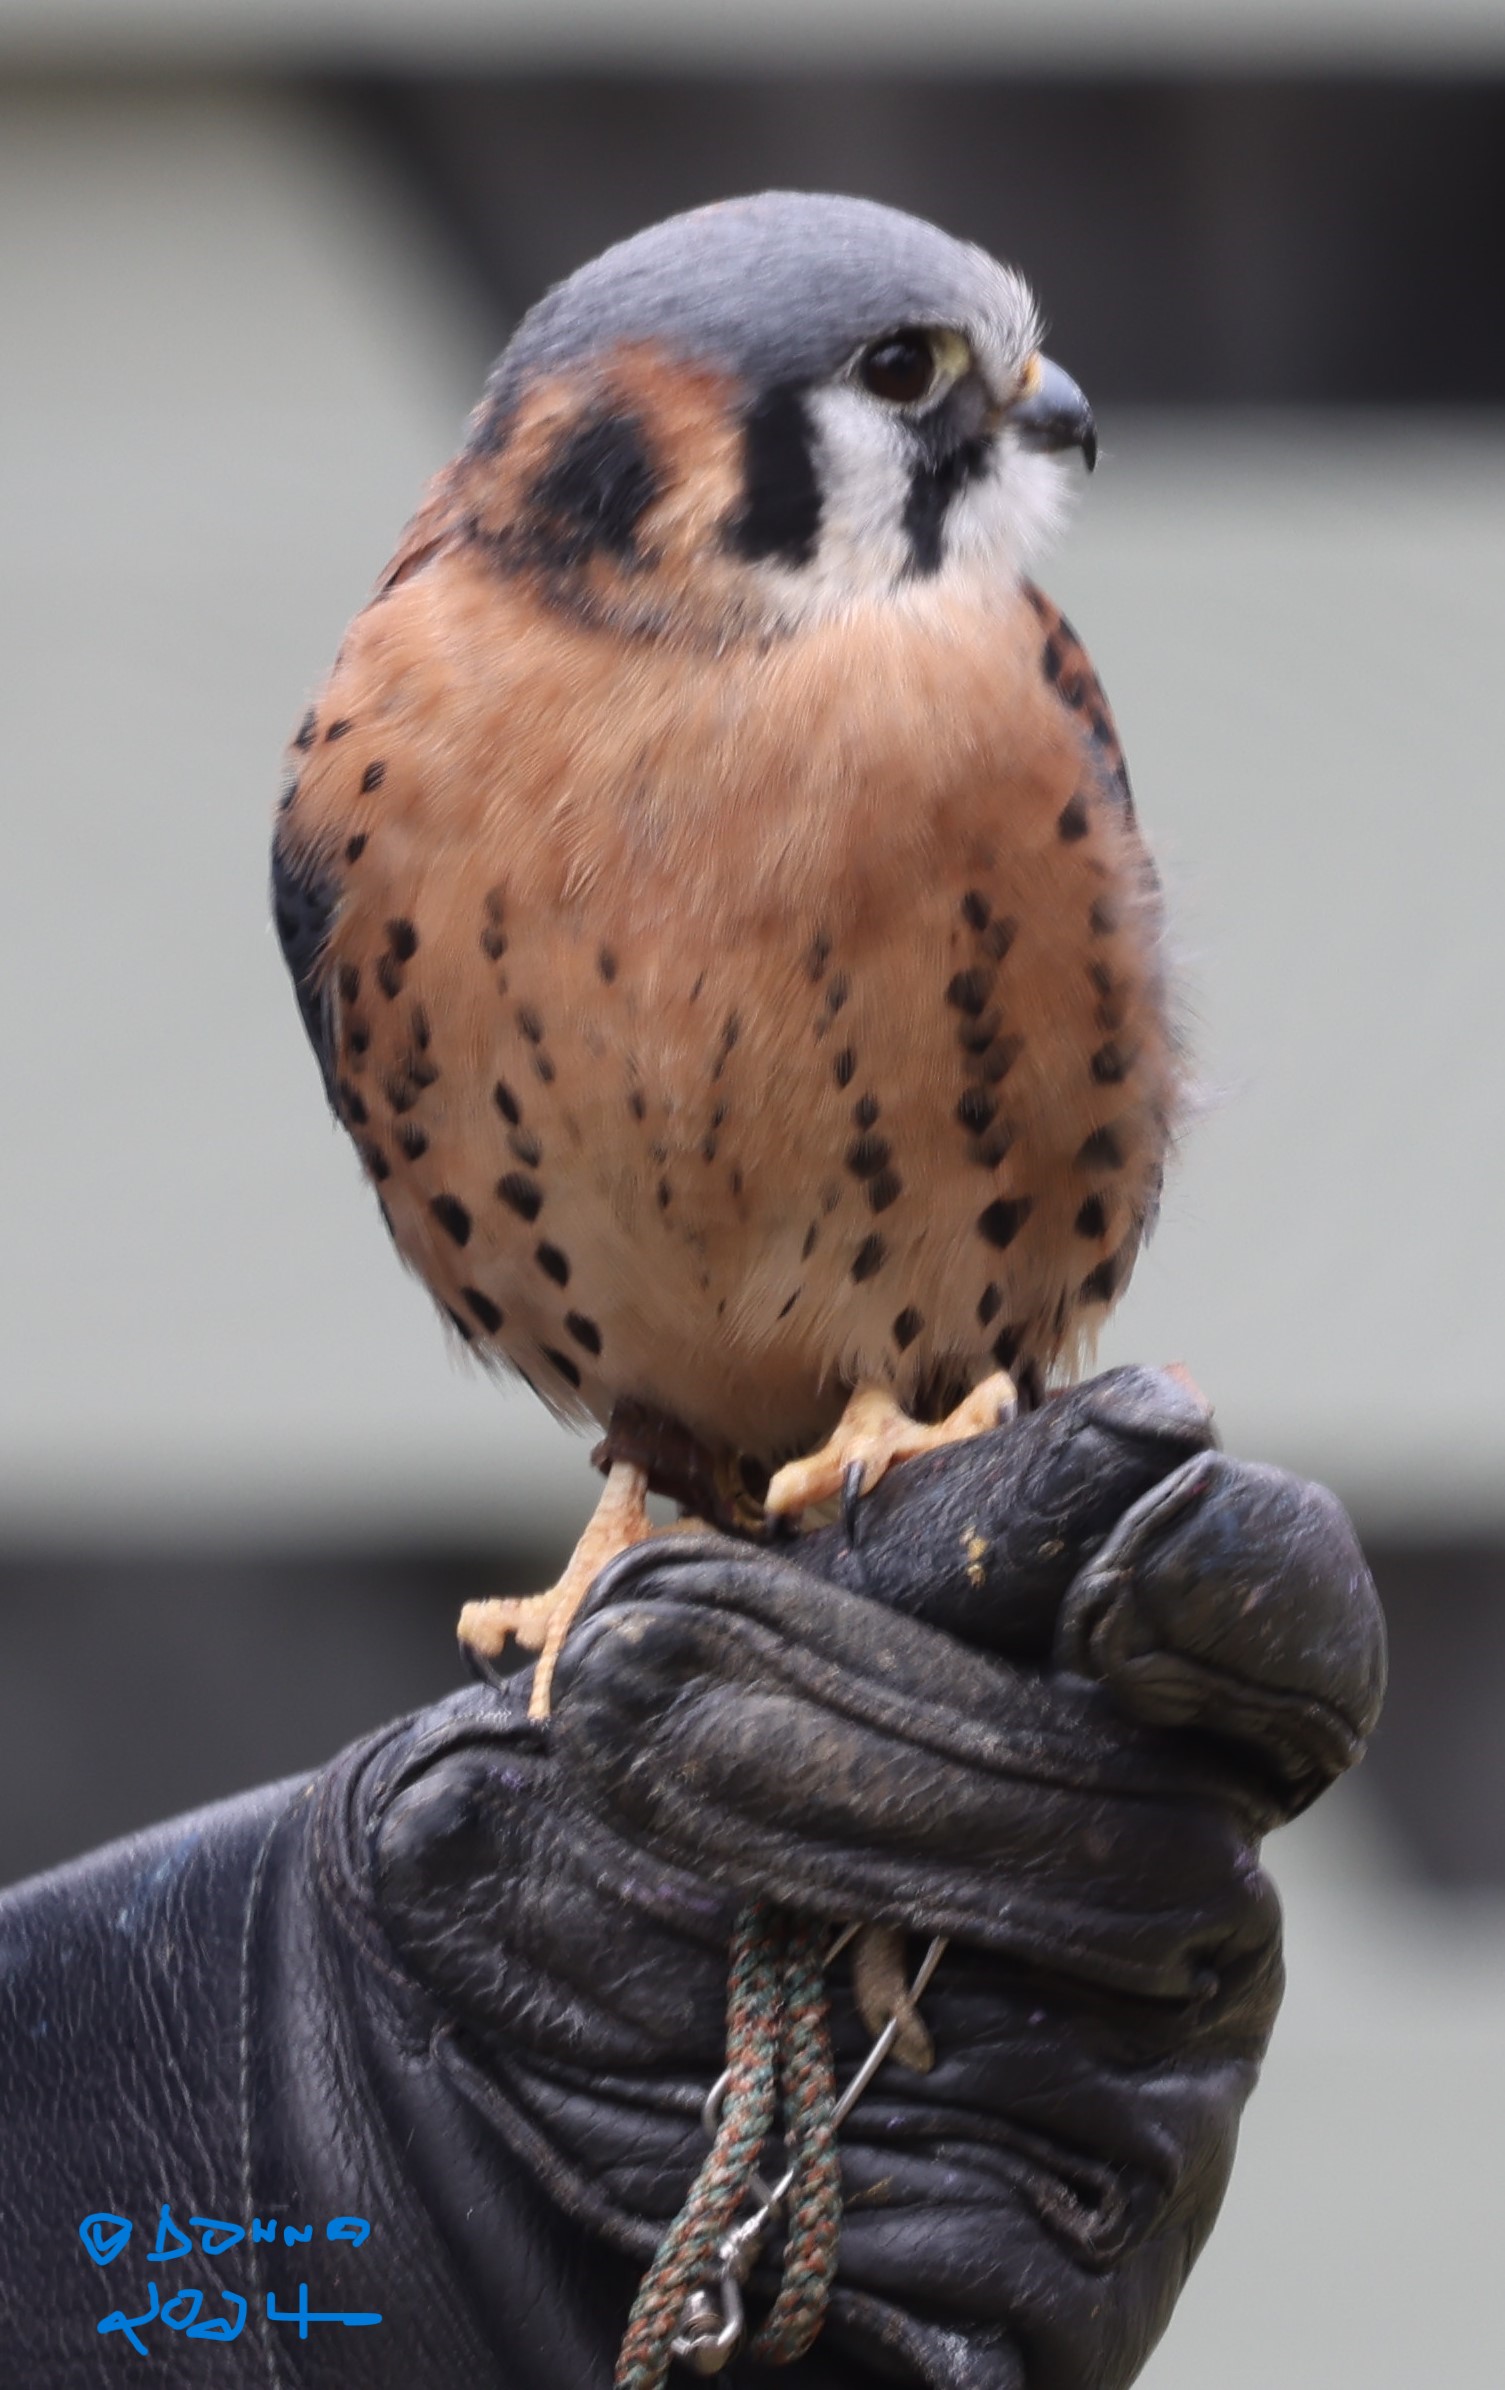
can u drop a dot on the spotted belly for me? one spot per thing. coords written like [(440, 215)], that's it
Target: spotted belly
[(731, 1181)]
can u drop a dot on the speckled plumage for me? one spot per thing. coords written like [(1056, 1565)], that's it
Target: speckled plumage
[(734, 999)]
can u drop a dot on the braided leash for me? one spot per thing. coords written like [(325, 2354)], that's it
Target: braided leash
[(778, 2035), (688, 2249), (809, 2120)]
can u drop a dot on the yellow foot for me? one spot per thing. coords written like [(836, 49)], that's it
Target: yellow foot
[(541, 1621), (871, 1435)]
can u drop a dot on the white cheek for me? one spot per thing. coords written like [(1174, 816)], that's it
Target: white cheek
[(1003, 521), (864, 462)]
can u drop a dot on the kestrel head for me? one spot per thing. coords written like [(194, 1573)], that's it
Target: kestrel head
[(768, 411)]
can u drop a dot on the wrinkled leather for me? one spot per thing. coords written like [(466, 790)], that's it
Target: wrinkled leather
[(469, 1980)]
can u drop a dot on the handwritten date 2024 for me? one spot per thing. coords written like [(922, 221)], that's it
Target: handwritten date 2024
[(104, 2235)]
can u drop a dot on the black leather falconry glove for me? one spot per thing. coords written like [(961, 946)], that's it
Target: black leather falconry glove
[(467, 1986)]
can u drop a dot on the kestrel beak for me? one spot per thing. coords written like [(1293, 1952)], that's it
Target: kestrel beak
[(1050, 412)]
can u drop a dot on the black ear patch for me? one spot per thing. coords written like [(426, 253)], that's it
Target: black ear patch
[(593, 493), (780, 511), (304, 898)]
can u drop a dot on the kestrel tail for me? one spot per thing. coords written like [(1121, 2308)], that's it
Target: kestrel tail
[(710, 876)]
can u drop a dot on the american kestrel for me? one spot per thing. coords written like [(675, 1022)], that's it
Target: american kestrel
[(710, 877)]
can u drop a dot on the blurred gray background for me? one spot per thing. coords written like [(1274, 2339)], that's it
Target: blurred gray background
[(253, 259)]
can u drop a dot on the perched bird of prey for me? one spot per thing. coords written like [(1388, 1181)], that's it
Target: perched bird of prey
[(710, 877)]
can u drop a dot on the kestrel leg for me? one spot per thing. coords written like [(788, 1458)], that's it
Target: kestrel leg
[(872, 1434), (541, 1621)]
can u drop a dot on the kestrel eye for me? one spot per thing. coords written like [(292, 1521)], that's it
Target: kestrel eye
[(900, 368)]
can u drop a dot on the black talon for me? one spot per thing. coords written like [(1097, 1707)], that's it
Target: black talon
[(851, 1495)]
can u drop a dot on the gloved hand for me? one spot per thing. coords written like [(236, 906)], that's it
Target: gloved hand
[(470, 1983)]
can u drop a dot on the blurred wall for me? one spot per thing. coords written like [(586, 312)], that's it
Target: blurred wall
[(242, 1483)]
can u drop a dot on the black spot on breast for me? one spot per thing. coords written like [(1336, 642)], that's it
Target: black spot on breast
[(543, 1069), (884, 1190), (358, 1039), (584, 1331), (731, 1030), (837, 994), (1103, 918), (818, 956), (389, 976), (561, 1362), (1071, 821), (808, 1247), (969, 991), (637, 1103), (708, 1147), (372, 778), (304, 737), (866, 1156), (506, 1102), (844, 1068), (975, 1037), (530, 1024), (462, 1327), (483, 1307), (553, 1263), (592, 494), (869, 1258), (788, 1304), (976, 911), (402, 938), (907, 1327), (779, 513), (1006, 1347), (413, 1141), (665, 1195), (1092, 1218), (976, 1110), (377, 1165), (305, 898), (998, 1059), (337, 730), (1102, 1284), (525, 1148), (865, 1111), (523, 1194), (995, 1146), (1003, 1219), (1111, 1065), (349, 982), (418, 1024), (735, 1182), (989, 1304), (352, 1105), (606, 964), (1101, 1151), (355, 847), (999, 936), (452, 1217)]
